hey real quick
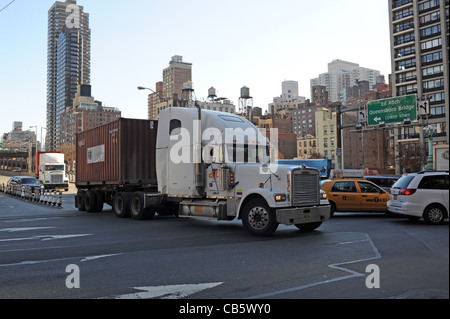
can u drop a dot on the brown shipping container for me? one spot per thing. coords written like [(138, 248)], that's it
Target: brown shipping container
[(118, 153)]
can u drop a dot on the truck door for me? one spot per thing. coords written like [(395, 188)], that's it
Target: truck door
[(180, 168)]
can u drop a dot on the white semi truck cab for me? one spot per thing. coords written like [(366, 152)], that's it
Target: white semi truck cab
[(219, 165), (52, 171), (214, 165)]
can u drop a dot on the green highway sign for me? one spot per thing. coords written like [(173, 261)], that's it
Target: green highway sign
[(393, 110)]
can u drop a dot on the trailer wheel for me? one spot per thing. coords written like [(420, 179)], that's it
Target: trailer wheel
[(100, 201), (137, 209), (80, 200), (258, 218), (90, 201), (120, 205)]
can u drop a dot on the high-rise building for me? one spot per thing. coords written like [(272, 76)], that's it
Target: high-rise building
[(289, 98), (342, 74), (68, 62), (419, 31), (175, 76)]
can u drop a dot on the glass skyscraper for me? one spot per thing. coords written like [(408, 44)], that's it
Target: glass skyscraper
[(68, 63)]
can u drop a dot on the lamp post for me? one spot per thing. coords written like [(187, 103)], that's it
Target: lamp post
[(42, 145), (35, 147), (166, 99), (430, 131)]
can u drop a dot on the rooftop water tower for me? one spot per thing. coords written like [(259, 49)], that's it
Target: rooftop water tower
[(245, 100), (187, 92)]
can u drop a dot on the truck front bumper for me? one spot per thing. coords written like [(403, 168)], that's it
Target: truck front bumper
[(56, 186), (303, 215)]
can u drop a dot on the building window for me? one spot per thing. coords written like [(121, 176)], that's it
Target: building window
[(430, 18), (403, 14), (430, 45), (430, 32), (406, 64), (428, 5), (432, 58), (437, 110), (433, 85), (433, 71), (404, 38)]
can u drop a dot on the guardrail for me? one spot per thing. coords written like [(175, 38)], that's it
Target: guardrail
[(38, 196)]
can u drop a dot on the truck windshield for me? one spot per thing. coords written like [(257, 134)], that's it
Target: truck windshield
[(54, 167)]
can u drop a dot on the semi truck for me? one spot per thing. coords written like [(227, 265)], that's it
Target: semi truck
[(51, 170), (195, 163)]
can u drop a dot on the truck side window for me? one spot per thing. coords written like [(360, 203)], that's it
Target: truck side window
[(174, 124)]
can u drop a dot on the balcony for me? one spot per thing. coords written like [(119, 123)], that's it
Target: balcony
[(400, 3), (406, 92), (406, 79)]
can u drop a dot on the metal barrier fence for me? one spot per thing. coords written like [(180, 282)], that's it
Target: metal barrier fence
[(38, 196)]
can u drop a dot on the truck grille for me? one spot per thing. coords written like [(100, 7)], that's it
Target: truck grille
[(56, 178), (305, 187)]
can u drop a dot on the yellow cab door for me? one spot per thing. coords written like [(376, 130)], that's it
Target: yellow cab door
[(345, 195), (373, 198)]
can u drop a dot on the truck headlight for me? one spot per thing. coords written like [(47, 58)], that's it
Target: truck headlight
[(280, 197)]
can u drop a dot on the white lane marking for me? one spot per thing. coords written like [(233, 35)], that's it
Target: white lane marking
[(100, 256), (46, 237), (168, 292), (13, 230), (34, 262), (353, 274), (29, 220), (55, 237)]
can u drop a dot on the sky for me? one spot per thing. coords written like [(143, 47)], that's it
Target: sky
[(231, 44)]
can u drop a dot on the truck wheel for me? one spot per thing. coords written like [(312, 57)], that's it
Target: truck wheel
[(120, 205), (90, 201), (80, 200), (308, 227), (137, 209), (99, 196), (332, 208), (258, 218)]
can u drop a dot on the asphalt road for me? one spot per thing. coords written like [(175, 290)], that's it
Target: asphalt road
[(49, 253)]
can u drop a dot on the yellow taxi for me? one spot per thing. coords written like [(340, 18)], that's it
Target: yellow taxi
[(355, 195)]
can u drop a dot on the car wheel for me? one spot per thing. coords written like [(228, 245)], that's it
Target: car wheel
[(434, 214)]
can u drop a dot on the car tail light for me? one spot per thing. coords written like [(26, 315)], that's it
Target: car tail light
[(407, 192)]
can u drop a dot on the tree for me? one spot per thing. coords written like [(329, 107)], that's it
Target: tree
[(412, 156), (316, 155)]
